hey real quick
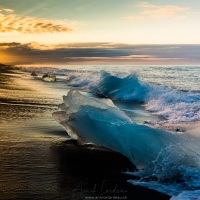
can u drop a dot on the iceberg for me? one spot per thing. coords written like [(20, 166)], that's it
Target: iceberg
[(126, 88), (100, 122)]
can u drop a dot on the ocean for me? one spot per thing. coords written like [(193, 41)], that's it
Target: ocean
[(149, 114)]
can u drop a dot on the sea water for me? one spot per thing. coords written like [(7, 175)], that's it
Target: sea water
[(150, 114)]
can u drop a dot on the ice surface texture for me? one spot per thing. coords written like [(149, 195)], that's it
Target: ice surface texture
[(99, 121)]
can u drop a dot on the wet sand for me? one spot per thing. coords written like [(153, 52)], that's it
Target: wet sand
[(99, 173), (38, 161)]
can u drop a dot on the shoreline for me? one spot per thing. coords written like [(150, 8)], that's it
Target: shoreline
[(81, 171)]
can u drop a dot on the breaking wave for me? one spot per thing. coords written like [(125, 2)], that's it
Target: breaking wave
[(174, 105)]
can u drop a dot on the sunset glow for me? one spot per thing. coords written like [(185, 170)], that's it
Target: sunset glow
[(128, 22)]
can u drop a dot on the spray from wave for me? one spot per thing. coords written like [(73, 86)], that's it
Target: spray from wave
[(174, 105)]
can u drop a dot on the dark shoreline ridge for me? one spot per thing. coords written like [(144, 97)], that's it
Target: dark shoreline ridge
[(99, 172), (4, 68)]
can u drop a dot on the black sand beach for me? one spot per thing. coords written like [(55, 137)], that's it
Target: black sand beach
[(38, 161)]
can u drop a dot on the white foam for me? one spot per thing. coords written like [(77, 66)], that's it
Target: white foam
[(87, 81), (184, 186), (174, 105)]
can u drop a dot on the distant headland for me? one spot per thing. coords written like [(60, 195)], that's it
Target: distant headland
[(4, 67)]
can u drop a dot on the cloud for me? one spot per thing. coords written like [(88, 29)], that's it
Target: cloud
[(98, 53), (32, 25), (84, 45), (8, 10), (152, 11)]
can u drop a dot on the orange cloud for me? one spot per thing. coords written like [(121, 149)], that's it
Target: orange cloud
[(13, 23), (152, 11)]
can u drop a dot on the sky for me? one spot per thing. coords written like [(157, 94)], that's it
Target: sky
[(101, 31)]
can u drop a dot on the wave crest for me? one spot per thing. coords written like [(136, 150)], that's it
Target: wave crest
[(174, 105)]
